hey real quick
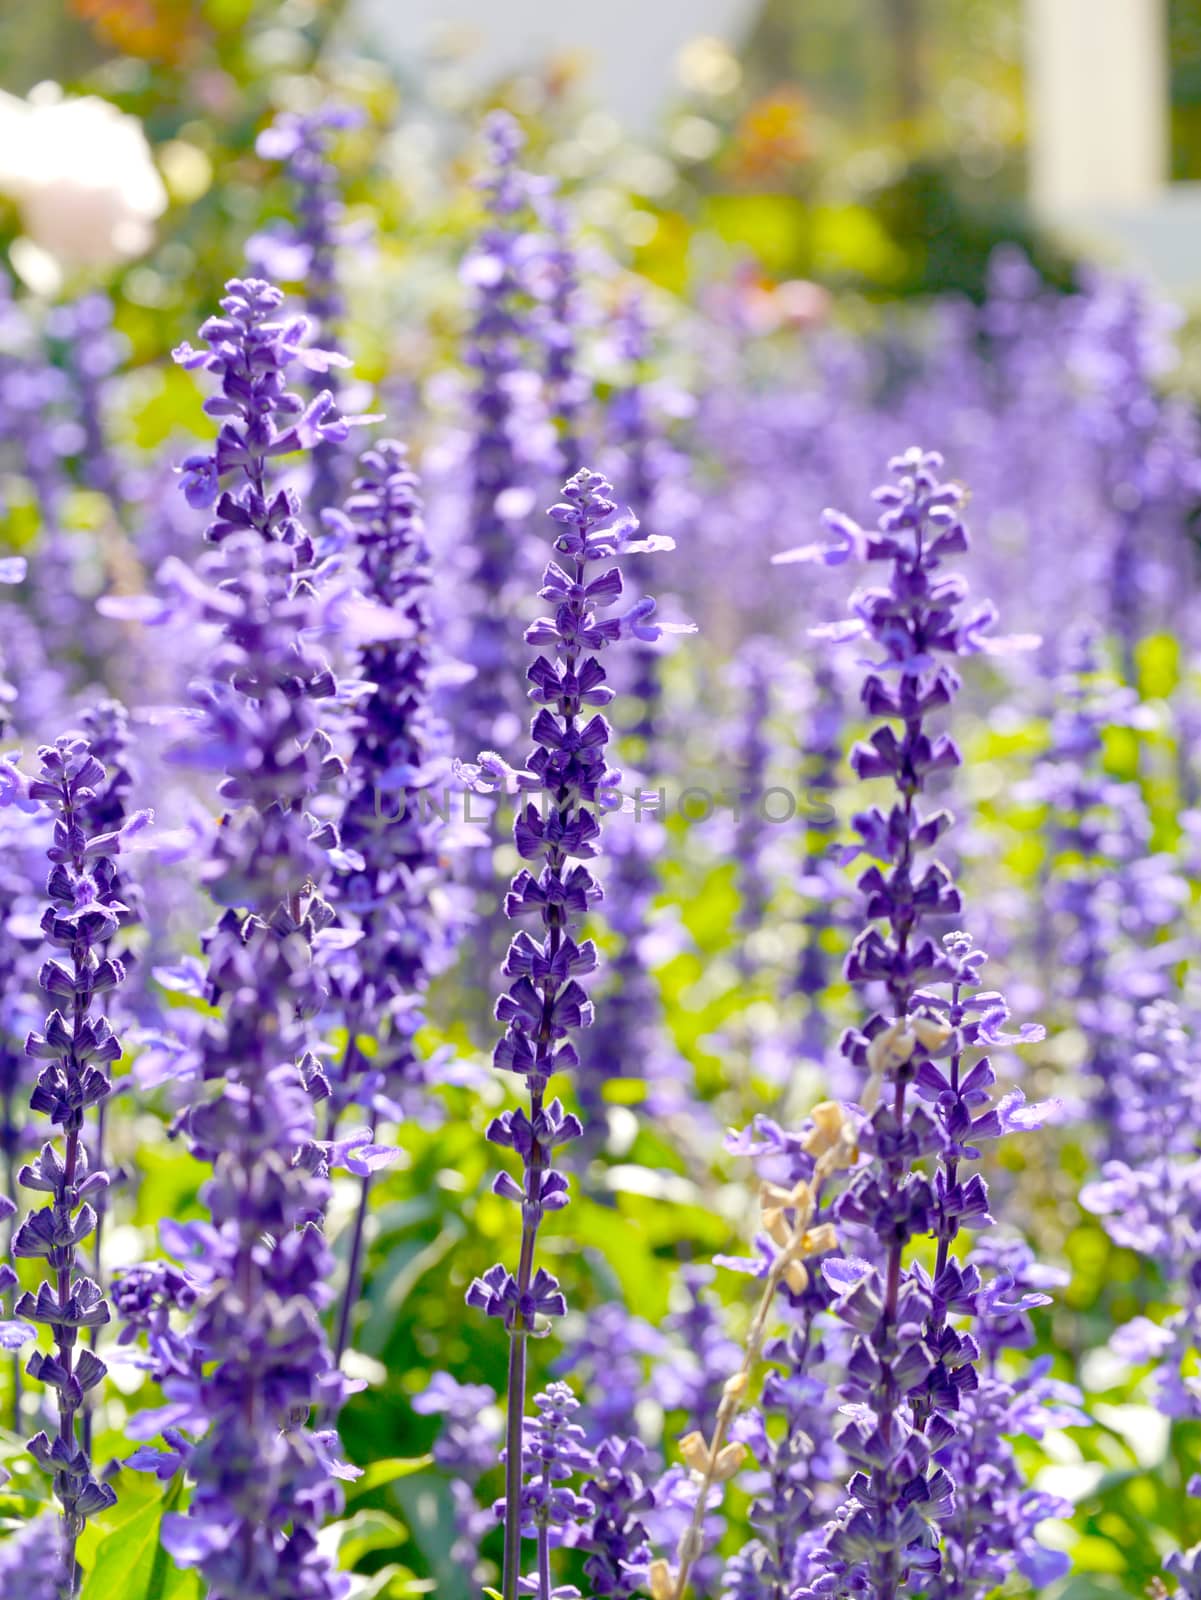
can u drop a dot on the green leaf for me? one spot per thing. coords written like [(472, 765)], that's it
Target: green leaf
[(381, 1472), (131, 1564), (393, 1583), (366, 1531)]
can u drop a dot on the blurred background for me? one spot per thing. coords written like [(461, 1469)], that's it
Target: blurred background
[(883, 145), (880, 143)]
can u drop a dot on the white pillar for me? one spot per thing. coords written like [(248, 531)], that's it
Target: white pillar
[(1097, 93)]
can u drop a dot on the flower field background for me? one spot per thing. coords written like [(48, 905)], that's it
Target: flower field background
[(501, 1087)]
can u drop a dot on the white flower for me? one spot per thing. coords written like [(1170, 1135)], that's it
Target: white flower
[(82, 174)]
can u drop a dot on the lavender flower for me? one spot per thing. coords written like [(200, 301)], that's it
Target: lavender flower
[(263, 1482), (909, 1366), (1108, 896), (307, 252), (150, 1300), (465, 1450), (757, 670), (561, 313), (37, 416), (821, 753), (144, 1297), (91, 354), (617, 1540), (553, 1453), (394, 847), (21, 848), (630, 1036), (794, 1233), (798, 1465), (1151, 1202), (251, 352), (508, 437), (1147, 446), (394, 843), (106, 726), (83, 916), (991, 1532), (610, 1358), (31, 1561), (545, 1003), (653, 476)]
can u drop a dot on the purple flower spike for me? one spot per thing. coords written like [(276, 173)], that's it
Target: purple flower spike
[(545, 1006), (259, 1365), (927, 1087), (75, 1047)]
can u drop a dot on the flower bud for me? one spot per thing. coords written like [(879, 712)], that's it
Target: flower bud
[(728, 1461), (891, 1047), (662, 1581)]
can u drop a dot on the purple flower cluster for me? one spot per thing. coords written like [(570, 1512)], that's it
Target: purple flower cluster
[(910, 1366), (1108, 896), (1150, 1202), (553, 1454), (555, 328), (991, 1532), (264, 1482), (307, 251), (76, 1046), (545, 1003), (31, 1561), (820, 757), (392, 881), (1148, 446), (617, 1539), (508, 438), (251, 353), (796, 1467), (393, 845), (465, 1449)]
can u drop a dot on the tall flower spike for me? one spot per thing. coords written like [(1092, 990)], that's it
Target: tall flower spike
[(106, 726), (631, 1036), (545, 1004), (1148, 448), (77, 1046), (554, 1453), (307, 251), (908, 1365), (992, 1533), (1107, 896), (795, 1464), (252, 353), (393, 880), (394, 846), (561, 313), (512, 443), (264, 1483)]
